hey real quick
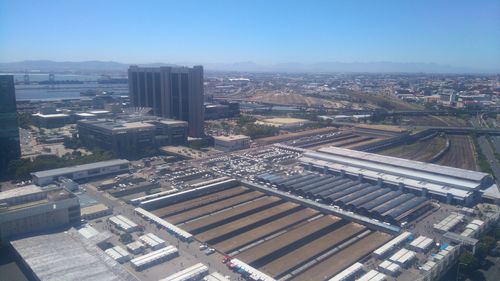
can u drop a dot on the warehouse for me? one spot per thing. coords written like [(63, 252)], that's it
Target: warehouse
[(118, 254), (301, 255), (194, 272), (264, 250), (348, 273), (123, 223), (155, 257), (331, 266), (387, 248), (81, 172), (381, 203), (152, 241), (266, 232), (243, 239), (448, 184)]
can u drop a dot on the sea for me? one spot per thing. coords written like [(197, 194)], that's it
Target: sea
[(37, 92)]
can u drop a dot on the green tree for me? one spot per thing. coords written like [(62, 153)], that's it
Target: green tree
[(469, 263), (126, 238)]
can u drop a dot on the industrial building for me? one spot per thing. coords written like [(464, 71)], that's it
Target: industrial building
[(367, 199), (231, 142), (10, 148), (265, 235), (171, 92), (68, 255), (128, 136), (32, 208), (451, 185), (81, 172)]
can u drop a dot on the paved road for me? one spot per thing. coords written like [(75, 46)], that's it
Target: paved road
[(490, 156)]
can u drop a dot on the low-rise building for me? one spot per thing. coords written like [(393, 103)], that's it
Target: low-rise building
[(54, 120), (33, 208), (231, 142), (131, 136), (81, 172)]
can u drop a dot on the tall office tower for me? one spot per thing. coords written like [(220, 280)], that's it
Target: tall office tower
[(9, 132), (171, 92)]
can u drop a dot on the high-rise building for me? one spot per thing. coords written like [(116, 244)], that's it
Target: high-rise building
[(9, 132), (171, 92)]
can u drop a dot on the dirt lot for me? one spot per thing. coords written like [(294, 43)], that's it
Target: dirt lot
[(419, 151), (461, 153)]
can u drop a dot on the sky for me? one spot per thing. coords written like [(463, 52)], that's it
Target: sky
[(456, 32)]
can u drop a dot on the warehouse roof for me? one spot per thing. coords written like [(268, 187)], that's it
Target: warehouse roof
[(405, 163), (442, 189), (68, 256), (79, 168)]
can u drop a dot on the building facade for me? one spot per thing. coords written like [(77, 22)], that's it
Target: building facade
[(171, 92), (131, 137), (9, 132), (32, 208), (81, 172), (231, 143)]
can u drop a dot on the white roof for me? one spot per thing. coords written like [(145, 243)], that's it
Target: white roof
[(348, 272), (20, 191), (441, 189), (411, 164)]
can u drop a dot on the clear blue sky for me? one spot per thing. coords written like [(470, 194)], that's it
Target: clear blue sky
[(458, 33)]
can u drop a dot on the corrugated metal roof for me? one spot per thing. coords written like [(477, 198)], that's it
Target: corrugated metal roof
[(79, 168)]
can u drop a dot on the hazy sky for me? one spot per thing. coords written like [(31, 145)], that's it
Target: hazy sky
[(455, 32)]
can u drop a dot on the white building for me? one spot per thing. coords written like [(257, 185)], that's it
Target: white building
[(81, 171), (448, 184), (231, 142)]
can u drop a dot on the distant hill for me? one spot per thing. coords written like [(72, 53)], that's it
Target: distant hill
[(370, 67)]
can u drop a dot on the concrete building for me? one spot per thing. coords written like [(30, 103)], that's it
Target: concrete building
[(452, 185), (231, 143), (131, 136), (32, 208), (9, 132), (54, 120), (221, 110), (81, 172), (171, 92)]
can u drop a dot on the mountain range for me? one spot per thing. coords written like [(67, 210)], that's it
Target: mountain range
[(368, 67)]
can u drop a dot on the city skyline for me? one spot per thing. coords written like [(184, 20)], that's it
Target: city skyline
[(461, 35)]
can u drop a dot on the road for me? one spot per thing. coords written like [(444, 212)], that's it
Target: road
[(490, 156)]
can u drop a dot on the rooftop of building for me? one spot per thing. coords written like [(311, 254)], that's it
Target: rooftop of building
[(78, 168), (20, 191), (125, 124), (231, 137), (47, 194), (68, 256), (53, 115), (410, 164), (94, 209)]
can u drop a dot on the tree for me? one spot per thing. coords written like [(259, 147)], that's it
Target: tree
[(485, 245), (469, 263), (126, 238)]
